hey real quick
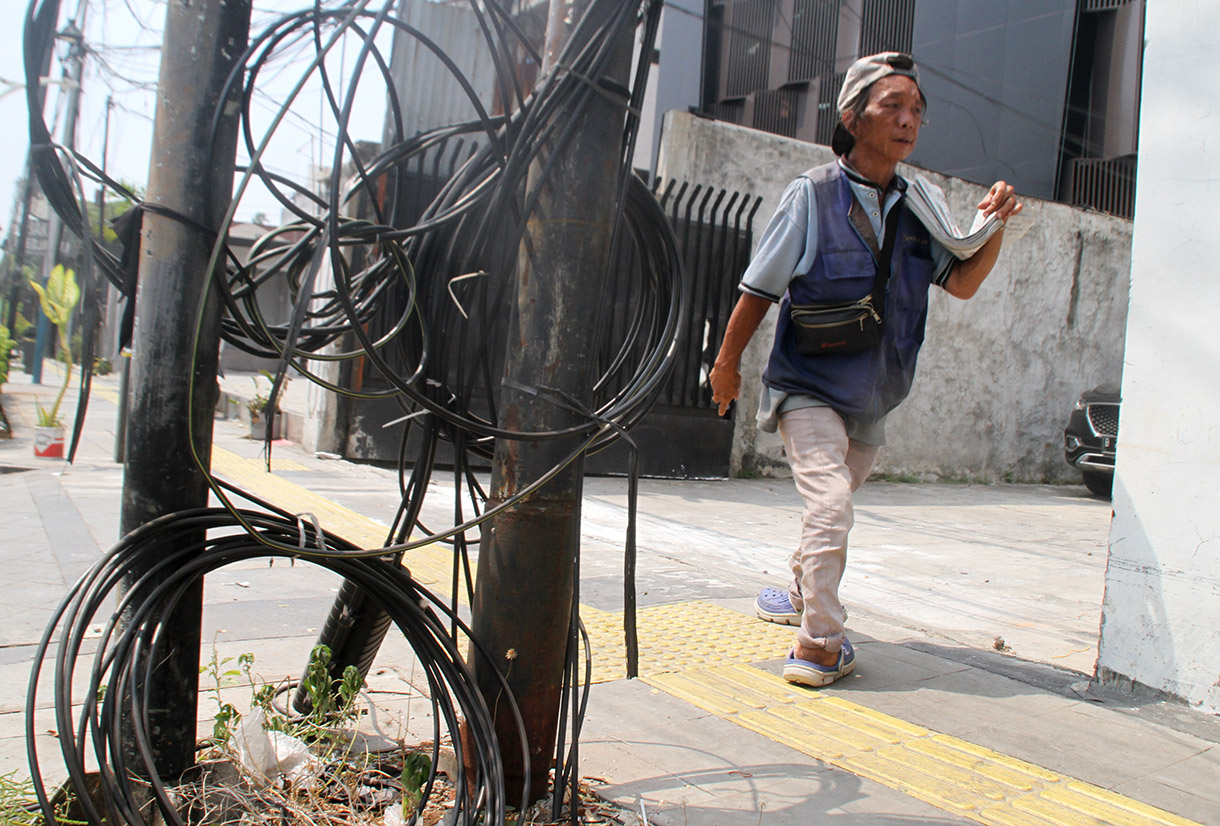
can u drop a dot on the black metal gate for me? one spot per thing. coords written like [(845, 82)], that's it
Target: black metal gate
[(684, 437)]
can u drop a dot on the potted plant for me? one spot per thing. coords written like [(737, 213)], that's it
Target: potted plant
[(57, 299), (257, 407)]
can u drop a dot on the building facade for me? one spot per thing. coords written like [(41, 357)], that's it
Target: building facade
[(1041, 93)]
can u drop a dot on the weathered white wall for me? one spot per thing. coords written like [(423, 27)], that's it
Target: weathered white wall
[(1162, 603), (998, 374)]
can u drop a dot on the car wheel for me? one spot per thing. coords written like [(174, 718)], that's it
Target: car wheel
[(1099, 484)]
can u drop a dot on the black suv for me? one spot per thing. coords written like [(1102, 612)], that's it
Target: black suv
[(1091, 437)]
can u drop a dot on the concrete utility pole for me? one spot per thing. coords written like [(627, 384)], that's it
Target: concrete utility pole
[(55, 227), (193, 177), (523, 600)]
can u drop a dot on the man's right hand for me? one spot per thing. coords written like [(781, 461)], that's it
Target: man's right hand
[(726, 384), (725, 378)]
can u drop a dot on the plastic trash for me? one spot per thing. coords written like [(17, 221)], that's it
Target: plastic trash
[(272, 757)]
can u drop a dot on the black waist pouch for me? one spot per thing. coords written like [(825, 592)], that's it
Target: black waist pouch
[(820, 329)]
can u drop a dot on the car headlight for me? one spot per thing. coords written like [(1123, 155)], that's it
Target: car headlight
[(1080, 403)]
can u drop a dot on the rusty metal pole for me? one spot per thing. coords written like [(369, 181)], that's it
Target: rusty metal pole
[(527, 556), (192, 177)]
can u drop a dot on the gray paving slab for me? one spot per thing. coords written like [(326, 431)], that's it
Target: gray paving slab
[(838, 799), (898, 680), (1082, 740), (1190, 788), (698, 769)]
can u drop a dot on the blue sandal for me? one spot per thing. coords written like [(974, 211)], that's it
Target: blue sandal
[(774, 605), (812, 674)]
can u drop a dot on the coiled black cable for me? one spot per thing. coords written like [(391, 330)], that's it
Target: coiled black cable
[(159, 562)]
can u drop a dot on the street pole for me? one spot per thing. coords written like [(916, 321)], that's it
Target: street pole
[(523, 600), (173, 382), (55, 227), (27, 194)]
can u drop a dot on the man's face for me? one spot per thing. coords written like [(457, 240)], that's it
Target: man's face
[(889, 125)]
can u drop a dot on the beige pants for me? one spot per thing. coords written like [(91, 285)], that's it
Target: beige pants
[(827, 467)]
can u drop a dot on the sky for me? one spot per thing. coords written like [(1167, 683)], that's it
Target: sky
[(123, 38)]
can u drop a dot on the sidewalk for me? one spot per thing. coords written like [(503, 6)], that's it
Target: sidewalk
[(974, 611)]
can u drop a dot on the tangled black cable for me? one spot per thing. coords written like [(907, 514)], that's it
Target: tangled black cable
[(145, 576), (434, 286)]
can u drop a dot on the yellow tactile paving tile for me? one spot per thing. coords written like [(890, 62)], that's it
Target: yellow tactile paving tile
[(1109, 806), (431, 565), (665, 633), (252, 475), (952, 774), (108, 395), (946, 750)]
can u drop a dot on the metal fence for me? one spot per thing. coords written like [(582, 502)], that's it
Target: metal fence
[(775, 111), (749, 46), (714, 228), (1104, 184), (886, 25), (815, 35)]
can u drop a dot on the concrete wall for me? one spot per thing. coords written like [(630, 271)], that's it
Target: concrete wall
[(1162, 602), (998, 374)]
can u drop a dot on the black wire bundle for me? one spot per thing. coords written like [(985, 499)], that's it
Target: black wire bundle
[(436, 285), (58, 170), (145, 576), (444, 278)]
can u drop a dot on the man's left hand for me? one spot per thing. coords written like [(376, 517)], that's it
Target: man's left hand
[(1001, 201)]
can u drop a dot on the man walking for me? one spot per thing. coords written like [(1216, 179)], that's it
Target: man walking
[(824, 248)]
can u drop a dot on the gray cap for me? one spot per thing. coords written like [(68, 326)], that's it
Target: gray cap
[(868, 70)]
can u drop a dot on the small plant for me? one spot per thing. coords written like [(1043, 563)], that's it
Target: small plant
[(58, 298), (258, 404), (16, 799), (415, 770), (102, 366), (291, 767), (227, 715), (22, 327), (332, 702), (19, 803), (6, 348)]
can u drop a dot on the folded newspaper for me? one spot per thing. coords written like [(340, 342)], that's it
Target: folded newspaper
[(927, 201)]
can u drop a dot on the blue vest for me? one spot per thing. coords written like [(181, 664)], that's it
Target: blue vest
[(868, 384)]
